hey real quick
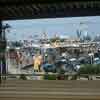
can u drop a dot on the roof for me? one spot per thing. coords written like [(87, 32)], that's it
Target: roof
[(30, 9)]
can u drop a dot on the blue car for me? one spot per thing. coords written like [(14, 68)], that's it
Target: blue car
[(49, 67)]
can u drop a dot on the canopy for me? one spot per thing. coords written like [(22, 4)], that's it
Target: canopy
[(30, 9)]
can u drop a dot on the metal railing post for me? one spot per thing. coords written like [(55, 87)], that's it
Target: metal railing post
[(0, 50)]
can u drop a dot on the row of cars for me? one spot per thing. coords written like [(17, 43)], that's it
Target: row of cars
[(60, 65), (69, 65)]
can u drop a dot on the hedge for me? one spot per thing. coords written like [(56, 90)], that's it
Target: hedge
[(89, 69)]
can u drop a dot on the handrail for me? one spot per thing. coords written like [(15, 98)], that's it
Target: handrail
[(67, 76), (40, 74), (49, 73)]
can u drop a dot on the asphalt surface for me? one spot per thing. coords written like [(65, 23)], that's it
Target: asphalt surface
[(49, 90)]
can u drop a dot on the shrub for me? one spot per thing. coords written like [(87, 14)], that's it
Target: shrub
[(23, 77), (89, 69), (49, 77)]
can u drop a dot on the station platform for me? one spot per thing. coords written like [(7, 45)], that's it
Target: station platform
[(49, 90)]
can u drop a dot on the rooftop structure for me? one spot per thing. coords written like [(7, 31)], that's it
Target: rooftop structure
[(30, 9)]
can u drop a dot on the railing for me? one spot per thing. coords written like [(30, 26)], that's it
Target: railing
[(46, 76)]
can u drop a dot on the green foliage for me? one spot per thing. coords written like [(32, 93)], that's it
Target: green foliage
[(23, 77), (16, 44), (74, 77), (62, 40), (54, 39), (89, 69), (49, 77)]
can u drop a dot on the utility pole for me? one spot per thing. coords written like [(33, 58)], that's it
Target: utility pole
[(0, 51), (3, 42)]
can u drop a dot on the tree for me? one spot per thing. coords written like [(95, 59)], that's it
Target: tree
[(54, 39), (62, 40), (17, 44), (89, 69), (4, 28)]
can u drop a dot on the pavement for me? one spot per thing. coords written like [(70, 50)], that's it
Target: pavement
[(49, 90), (13, 68)]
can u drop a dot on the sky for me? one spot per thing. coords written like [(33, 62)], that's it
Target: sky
[(67, 26)]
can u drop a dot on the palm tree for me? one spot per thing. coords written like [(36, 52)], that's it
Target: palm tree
[(4, 28)]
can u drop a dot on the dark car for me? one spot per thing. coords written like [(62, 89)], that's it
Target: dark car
[(84, 60), (49, 67), (61, 65)]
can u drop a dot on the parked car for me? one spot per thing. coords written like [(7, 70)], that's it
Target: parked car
[(84, 60), (97, 60), (74, 64), (49, 67), (61, 65)]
